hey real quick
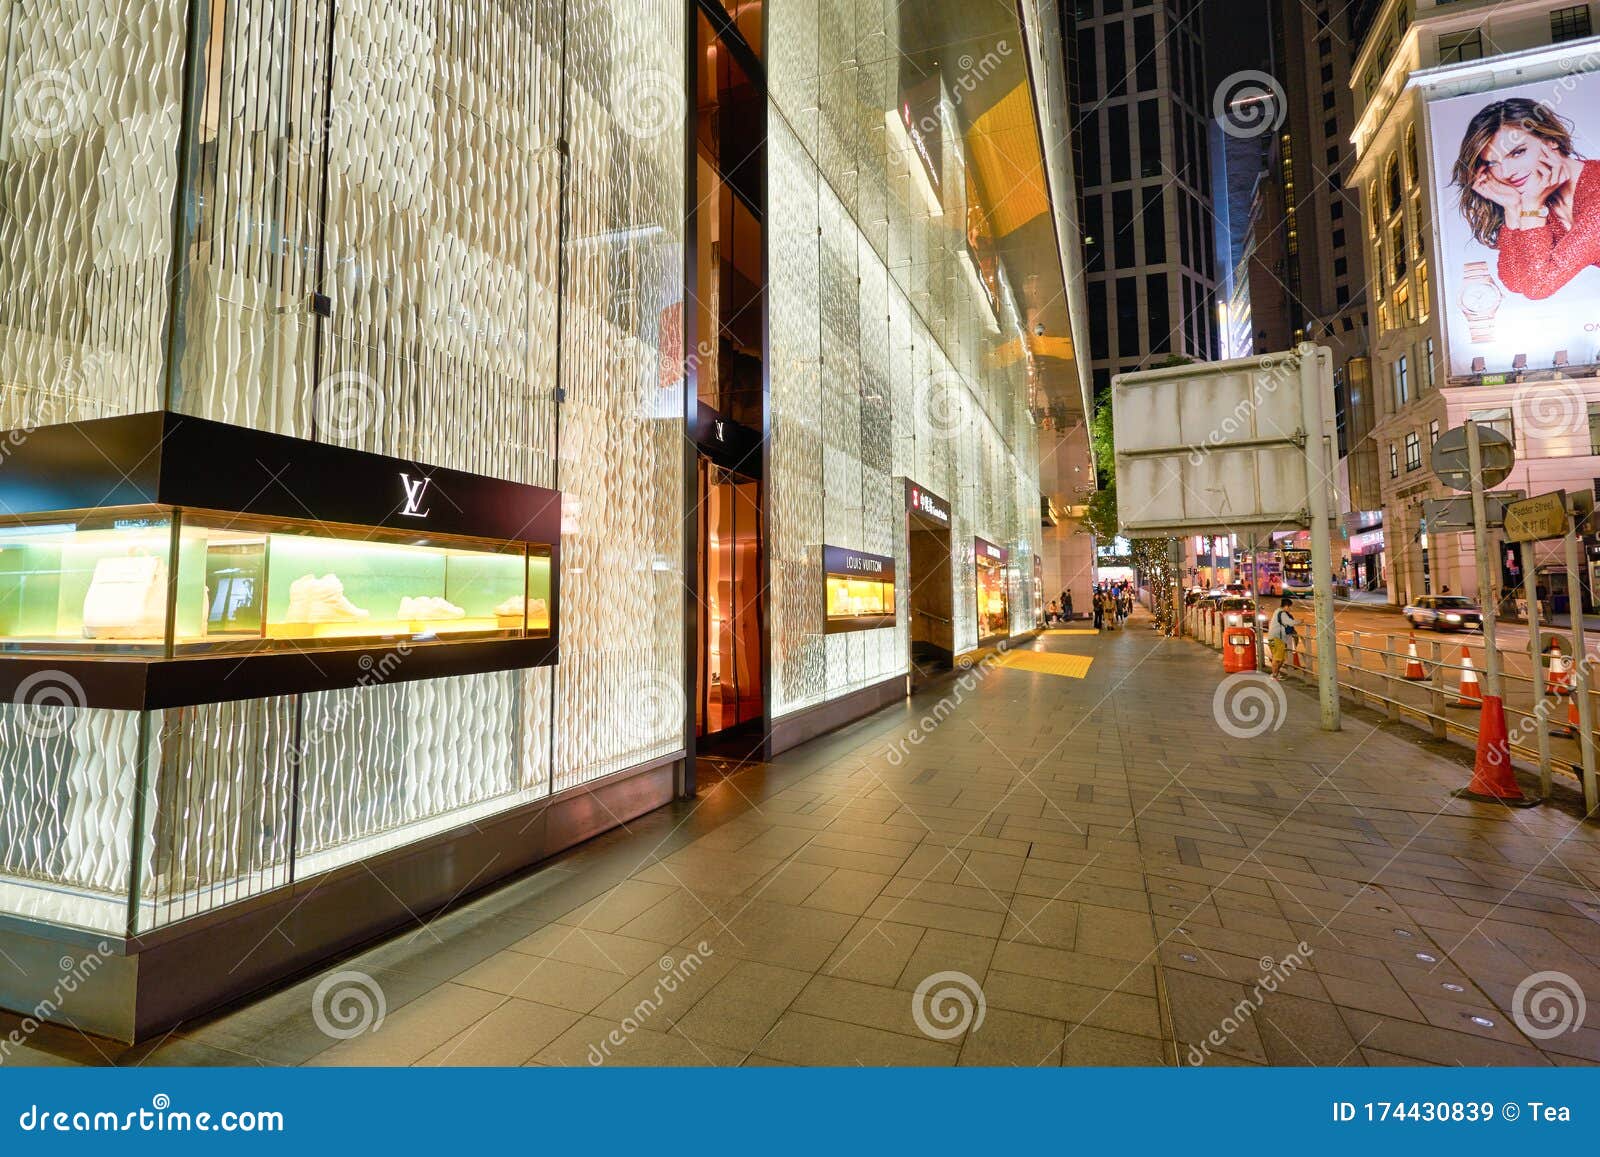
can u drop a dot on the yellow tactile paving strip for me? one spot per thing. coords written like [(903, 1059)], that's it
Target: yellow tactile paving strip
[(1067, 666), (1071, 631)]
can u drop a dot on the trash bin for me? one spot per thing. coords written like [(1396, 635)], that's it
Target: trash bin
[(1238, 650)]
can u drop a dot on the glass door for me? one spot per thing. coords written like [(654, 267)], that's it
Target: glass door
[(729, 687)]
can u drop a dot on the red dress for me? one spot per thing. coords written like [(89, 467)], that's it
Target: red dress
[(1538, 263)]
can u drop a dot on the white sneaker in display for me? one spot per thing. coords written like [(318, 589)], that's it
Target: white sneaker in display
[(321, 600), (429, 607)]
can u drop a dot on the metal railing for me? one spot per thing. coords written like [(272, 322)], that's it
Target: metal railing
[(1373, 673)]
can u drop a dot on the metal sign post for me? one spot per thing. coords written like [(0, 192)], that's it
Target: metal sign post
[(1318, 473), (1480, 550), (1591, 799), (1541, 705)]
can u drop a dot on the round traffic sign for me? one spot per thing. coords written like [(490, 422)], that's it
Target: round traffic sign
[(1450, 457)]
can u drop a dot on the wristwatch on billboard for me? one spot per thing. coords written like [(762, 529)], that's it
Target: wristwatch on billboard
[(1480, 300)]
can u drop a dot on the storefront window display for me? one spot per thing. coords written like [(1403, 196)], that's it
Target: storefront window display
[(860, 590), (994, 613)]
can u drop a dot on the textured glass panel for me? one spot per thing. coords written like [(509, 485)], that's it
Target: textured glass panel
[(218, 806), (89, 112), (619, 696), (384, 766), (888, 360), (67, 785)]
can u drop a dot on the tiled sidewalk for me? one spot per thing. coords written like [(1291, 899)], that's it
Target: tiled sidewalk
[(1091, 862)]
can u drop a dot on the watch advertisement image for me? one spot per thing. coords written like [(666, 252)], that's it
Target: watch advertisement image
[(1517, 184)]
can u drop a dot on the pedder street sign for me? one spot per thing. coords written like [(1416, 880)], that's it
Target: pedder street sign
[(1540, 517)]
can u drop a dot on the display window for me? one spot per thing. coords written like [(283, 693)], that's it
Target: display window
[(859, 590), (994, 605), (101, 584)]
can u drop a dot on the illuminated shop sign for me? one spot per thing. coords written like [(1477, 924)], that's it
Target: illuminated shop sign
[(988, 554), (921, 500), (858, 590), (1520, 285)]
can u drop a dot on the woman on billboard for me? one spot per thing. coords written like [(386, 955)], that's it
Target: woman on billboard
[(1526, 193)]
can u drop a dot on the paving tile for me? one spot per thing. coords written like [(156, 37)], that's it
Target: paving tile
[(509, 1035), (410, 1033), (1087, 1045), (543, 979), (811, 1040), (600, 1043), (874, 951), (741, 1008), (1014, 1039), (603, 950)]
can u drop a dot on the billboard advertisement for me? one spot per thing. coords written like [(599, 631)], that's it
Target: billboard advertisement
[(1518, 217)]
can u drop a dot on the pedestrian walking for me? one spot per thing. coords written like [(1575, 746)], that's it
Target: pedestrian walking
[(1098, 609), (1281, 635), (1066, 606)]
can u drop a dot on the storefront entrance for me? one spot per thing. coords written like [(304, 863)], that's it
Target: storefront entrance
[(932, 628), (728, 679)]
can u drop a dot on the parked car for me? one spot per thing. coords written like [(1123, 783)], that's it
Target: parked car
[(1236, 612), (1445, 613)]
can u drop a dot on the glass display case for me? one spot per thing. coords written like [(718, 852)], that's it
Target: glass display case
[(859, 590), (100, 583), (158, 560), (994, 609)]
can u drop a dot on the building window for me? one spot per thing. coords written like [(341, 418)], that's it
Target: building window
[(1569, 23), (1402, 383), (1459, 46), (1413, 452), (1394, 461), (1433, 432), (1594, 427), (1499, 420), (1428, 367)]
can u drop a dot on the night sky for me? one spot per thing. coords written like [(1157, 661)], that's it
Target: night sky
[(1237, 36)]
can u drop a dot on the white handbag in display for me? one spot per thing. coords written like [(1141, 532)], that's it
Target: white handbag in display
[(127, 598)]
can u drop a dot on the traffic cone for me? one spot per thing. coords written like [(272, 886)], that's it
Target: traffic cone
[(1559, 681), (1469, 694), (1492, 778), (1414, 669)]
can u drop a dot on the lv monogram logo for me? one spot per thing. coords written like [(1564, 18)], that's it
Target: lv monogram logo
[(414, 492)]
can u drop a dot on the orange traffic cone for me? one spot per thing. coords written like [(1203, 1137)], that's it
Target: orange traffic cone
[(1559, 680), (1492, 778), (1414, 669), (1469, 694)]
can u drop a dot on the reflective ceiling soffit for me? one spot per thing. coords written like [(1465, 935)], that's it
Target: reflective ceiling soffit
[(977, 49)]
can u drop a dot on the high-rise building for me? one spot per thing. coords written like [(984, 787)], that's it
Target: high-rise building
[(1324, 267), (1473, 122), (1141, 112)]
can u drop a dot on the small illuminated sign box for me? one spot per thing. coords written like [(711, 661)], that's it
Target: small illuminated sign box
[(926, 505), (859, 590)]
